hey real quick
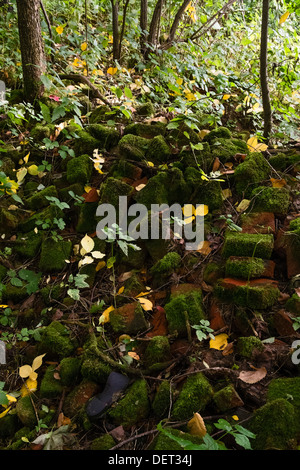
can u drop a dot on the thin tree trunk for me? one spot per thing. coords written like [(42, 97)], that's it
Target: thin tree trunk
[(32, 47), (115, 24), (155, 22), (176, 21), (143, 24), (264, 71)]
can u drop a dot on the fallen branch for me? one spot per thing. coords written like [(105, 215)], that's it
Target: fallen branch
[(82, 79)]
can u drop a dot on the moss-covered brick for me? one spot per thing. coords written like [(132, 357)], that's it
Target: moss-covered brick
[(50, 293), (99, 114), (14, 294), (293, 304), (227, 398), (53, 255), (3, 271), (50, 386), (158, 150), (145, 109), (95, 370), (133, 147), (133, 408), (76, 188), (158, 350), (46, 215), (148, 131), (287, 388), (198, 158), (86, 222), (128, 319), (225, 149), (27, 245), (165, 267), (248, 268), (246, 345), (212, 272), (112, 189), (8, 221), (162, 400), (69, 370), (203, 192), (40, 132), (26, 412), (245, 293), (167, 187), (125, 169), (8, 426), (248, 244), (108, 137), (251, 173), (85, 143), (196, 393), (219, 133), (183, 309), (267, 199), (282, 161), (275, 425), (104, 442), (39, 199), (79, 169), (55, 340)]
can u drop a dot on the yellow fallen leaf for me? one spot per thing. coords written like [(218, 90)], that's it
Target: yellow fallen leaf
[(255, 146), (179, 81), (21, 173), (87, 244), (196, 426), (29, 387), (105, 315), (37, 361), (278, 183), (33, 170), (204, 248), (112, 70), (3, 306), (100, 265), (25, 371), (134, 355), (5, 412), (243, 205), (146, 304), (235, 417), (121, 290), (25, 159), (284, 17), (203, 133), (226, 193), (219, 342)]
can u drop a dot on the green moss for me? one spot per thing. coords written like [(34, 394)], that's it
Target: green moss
[(196, 393), (104, 442), (87, 218), (26, 412), (14, 294), (53, 255), (203, 192), (244, 267), (133, 286), (125, 169), (282, 161), (224, 149), (165, 267), (133, 147), (256, 297), (95, 370), (50, 386), (99, 114), (251, 173), (267, 199), (128, 319), (226, 398), (27, 246), (276, 426), (69, 370), (163, 442), (79, 169), (40, 132), (108, 137), (145, 109), (56, 340), (212, 272), (8, 221), (158, 150), (176, 308), (248, 244), (148, 131), (219, 133), (287, 388), (46, 215), (85, 143), (157, 351), (162, 400), (246, 345), (52, 292), (8, 426), (133, 408), (112, 189), (3, 271), (198, 158), (76, 188), (39, 199), (293, 304)]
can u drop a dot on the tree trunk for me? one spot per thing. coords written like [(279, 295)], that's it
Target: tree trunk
[(155, 22), (176, 21), (264, 71), (143, 24), (32, 48), (115, 24)]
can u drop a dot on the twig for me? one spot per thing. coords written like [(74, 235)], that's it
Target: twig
[(82, 79)]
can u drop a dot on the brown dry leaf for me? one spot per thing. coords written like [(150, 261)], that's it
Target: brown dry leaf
[(91, 196), (251, 377), (123, 277), (196, 426), (134, 355), (216, 165), (204, 248), (62, 420), (118, 433), (228, 349)]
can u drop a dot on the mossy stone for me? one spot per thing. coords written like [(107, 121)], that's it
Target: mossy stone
[(112, 189), (104, 442), (69, 370), (165, 267), (133, 147), (53, 255), (40, 132), (85, 143), (46, 215), (55, 340), (79, 169), (198, 158), (8, 221), (14, 294), (128, 318), (95, 370), (219, 133), (275, 425), (26, 412), (225, 149), (251, 173), (76, 188), (8, 426), (166, 443), (191, 303), (3, 271), (158, 350), (258, 297), (293, 304), (212, 272), (145, 109), (27, 246), (196, 393), (244, 267), (50, 386), (108, 137), (87, 222), (158, 150), (203, 192), (246, 345), (248, 244), (287, 388), (267, 199), (162, 400), (39, 199), (50, 293), (99, 114), (148, 131), (133, 408), (227, 398)]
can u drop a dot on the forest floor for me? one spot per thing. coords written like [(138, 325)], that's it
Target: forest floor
[(202, 335)]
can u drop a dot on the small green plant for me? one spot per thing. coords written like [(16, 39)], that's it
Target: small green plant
[(203, 330), (296, 323), (6, 318), (75, 283), (230, 223), (30, 278)]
